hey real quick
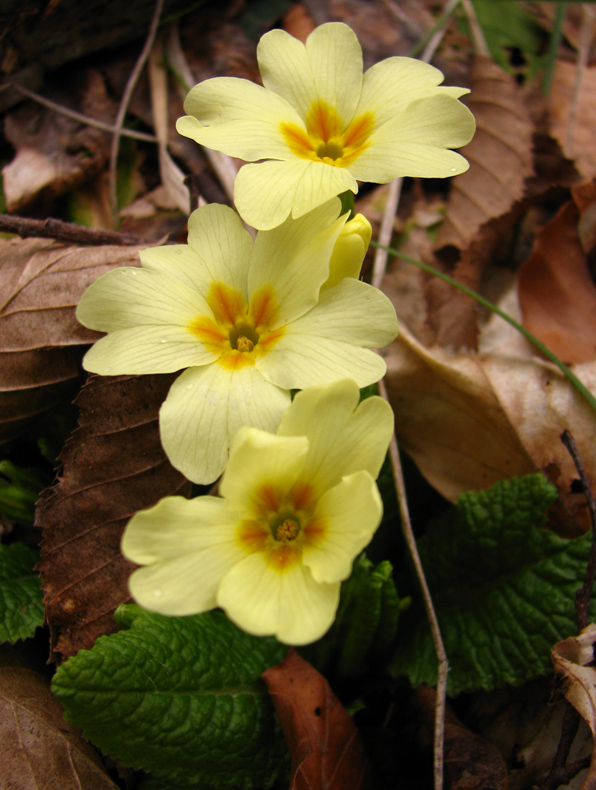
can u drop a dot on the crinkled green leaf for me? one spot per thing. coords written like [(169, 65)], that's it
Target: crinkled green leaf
[(21, 607), (366, 623), (502, 586), (178, 696)]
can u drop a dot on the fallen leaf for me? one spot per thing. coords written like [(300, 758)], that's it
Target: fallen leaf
[(500, 155), (469, 420), (41, 283), (556, 292), (298, 22), (38, 749), (324, 744), (573, 659), (55, 154), (471, 762), (584, 196), (113, 466), (581, 144)]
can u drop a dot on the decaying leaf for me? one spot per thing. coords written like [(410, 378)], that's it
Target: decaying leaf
[(556, 292), (38, 749), (573, 658), (471, 762), (575, 132), (54, 153), (469, 420), (41, 283), (324, 744), (500, 155), (113, 465)]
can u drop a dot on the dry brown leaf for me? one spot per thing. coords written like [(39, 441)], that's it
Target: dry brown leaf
[(298, 22), (573, 658), (556, 292), (324, 744), (113, 466), (56, 154), (582, 145), (584, 196), (469, 420), (500, 156), (41, 283), (38, 749)]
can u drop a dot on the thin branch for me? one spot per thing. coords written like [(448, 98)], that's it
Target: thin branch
[(63, 231), (443, 667), (436, 35), (386, 231), (78, 116), (583, 595), (130, 86), (480, 45)]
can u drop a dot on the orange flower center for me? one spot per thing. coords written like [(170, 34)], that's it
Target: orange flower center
[(238, 334), (325, 138), (285, 523)]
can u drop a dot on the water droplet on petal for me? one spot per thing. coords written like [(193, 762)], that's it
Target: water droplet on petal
[(107, 370), (157, 593), (189, 386), (164, 340), (454, 169)]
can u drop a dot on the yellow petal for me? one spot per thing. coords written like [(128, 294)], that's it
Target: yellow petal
[(266, 193), (293, 259), (343, 437), (298, 361), (259, 460), (289, 605), (218, 250), (352, 511), (285, 70), (204, 409), (130, 297), (147, 349), (237, 117), (335, 57)]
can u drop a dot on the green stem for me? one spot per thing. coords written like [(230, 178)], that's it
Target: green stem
[(553, 48), (569, 374)]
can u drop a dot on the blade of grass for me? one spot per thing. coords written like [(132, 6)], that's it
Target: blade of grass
[(569, 374)]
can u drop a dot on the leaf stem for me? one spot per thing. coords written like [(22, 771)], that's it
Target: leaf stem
[(569, 374)]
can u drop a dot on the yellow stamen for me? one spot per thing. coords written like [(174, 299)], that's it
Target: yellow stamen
[(288, 530), (325, 138)]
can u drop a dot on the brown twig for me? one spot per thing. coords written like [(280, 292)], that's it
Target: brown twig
[(63, 231), (584, 594), (78, 116), (443, 666), (130, 86)]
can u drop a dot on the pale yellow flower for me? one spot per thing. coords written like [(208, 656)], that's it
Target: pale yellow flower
[(296, 508), (248, 321), (324, 125)]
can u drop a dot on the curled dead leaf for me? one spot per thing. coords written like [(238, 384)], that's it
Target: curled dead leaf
[(573, 658), (574, 129), (326, 750), (113, 466), (500, 155), (469, 420), (41, 283), (38, 749), (556, 292)]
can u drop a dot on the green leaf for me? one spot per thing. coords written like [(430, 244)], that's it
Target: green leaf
[(178, 696), (19, 491), (508, 26), (503, 589), (21, 606), (365, 627)]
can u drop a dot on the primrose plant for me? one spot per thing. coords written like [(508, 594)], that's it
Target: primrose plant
[(249, 321)]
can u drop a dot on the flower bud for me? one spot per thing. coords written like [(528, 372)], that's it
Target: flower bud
[(349, 251)]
